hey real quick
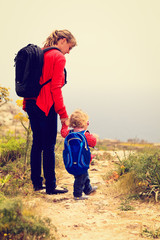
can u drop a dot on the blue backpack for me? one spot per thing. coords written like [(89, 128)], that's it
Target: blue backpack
[(76, 153)]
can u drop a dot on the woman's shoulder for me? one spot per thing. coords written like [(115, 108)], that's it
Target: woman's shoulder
[(56, 54)]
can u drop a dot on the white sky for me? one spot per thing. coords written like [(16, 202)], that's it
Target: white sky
[(113, 73)]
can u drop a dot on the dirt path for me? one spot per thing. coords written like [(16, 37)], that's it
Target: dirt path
[(99, 217)]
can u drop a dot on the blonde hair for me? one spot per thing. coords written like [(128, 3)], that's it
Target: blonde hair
[(56, 35), (78, 119)]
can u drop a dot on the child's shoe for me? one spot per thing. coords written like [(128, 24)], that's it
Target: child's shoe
[(92, 190), (81, 198)]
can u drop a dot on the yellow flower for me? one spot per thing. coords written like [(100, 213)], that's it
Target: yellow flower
[(122, 166), (19, 102)]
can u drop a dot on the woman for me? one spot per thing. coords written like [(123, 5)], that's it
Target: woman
[(43, 110)]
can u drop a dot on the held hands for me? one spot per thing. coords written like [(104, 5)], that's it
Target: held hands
[(65, 120)]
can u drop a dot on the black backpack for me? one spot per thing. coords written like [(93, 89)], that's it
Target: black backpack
[(28, 70)]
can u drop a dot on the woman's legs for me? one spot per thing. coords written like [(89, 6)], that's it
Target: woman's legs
[(49, 141), (36, 150), (44, 138)]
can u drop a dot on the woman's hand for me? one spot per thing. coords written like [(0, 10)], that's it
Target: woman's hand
[(65, 120)]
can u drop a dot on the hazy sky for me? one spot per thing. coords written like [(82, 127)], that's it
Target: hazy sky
[(113, 73)]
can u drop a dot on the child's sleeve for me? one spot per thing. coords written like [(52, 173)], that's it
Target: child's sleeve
[(90, 139), (64, 130)]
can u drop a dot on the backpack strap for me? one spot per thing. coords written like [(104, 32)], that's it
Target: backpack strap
[(50, 48), (46, 82), (82, 134)]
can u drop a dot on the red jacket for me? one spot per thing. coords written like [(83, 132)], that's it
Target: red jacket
[(51, 93), (90, 138)]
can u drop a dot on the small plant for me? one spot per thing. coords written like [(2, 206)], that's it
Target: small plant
[(4, 180), (125, 206), (154, 234)]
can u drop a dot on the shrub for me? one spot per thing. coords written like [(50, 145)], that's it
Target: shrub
[(18, 181), (16, 224), (145, 166)]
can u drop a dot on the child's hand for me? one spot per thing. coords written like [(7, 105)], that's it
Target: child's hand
[(64, 129)]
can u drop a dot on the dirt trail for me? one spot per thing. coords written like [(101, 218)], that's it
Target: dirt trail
[(99, 217)]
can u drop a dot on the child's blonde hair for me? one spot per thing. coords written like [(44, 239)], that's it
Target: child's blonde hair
[(78, 119)]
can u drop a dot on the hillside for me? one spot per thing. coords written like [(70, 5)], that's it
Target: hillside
[(112, 212)]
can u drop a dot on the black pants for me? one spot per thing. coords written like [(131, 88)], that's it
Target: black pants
[(44, 139), (81, 184)]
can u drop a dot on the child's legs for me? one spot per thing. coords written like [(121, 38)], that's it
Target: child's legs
[(87, 185), (81, 184), (78, 185)]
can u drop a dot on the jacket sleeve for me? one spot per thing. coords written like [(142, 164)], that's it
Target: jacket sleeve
[(90, 139), (56, 85)]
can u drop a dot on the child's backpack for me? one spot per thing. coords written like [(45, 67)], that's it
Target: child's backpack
[(76, 153), (28, 70)]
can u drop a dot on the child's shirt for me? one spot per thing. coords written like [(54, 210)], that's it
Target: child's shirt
[(90, 138)]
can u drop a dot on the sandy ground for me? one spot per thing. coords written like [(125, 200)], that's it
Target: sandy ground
[(99, 217)]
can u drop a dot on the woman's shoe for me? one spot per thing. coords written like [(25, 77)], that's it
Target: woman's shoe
[(38, 187), (51, 191)]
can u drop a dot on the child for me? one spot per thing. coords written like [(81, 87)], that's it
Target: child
[(79, 122)]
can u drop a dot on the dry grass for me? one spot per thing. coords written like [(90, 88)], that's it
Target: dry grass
[(125, 185)]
